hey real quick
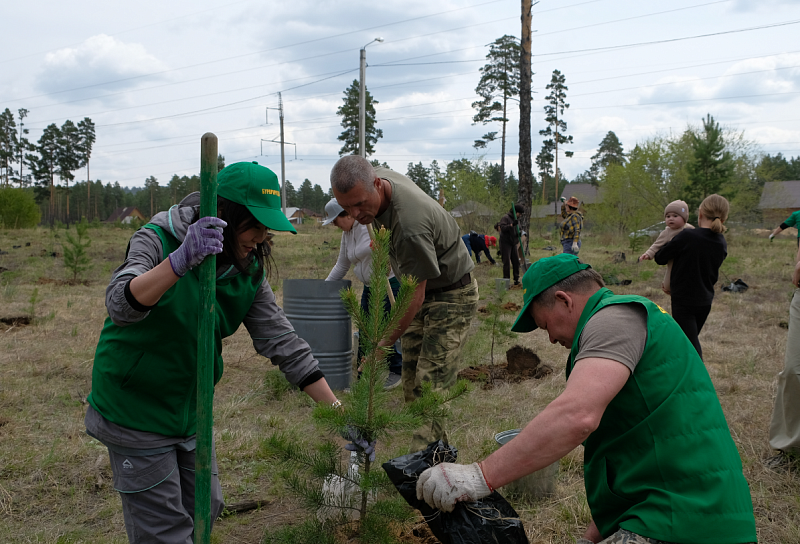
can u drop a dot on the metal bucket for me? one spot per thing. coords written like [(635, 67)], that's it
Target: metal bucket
[(501, 285), (535, 485), (316, 312)]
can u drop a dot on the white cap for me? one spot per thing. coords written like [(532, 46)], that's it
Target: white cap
[(332, 211)]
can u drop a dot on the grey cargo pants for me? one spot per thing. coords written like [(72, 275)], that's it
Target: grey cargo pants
[(157, 493)]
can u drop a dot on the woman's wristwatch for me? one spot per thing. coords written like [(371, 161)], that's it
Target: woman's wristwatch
[(337, 404)]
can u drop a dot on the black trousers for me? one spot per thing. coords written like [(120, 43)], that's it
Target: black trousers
[(691, 319), (510, 258), (485, 251)]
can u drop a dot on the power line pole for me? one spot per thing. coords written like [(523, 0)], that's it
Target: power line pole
[(283, 143), (362, 100), (283, 158)]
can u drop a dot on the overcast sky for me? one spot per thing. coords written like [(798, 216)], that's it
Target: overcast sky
[(154, 76)]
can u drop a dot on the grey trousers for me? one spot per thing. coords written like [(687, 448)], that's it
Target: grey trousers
[(784, 431), (157, 493)]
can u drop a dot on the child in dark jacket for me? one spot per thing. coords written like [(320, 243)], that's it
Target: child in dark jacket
[(696, 256)]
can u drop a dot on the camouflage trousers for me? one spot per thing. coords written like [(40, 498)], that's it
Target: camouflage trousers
[(431, 349), (624, 537)]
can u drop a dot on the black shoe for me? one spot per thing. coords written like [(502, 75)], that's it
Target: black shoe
[(392, 381)]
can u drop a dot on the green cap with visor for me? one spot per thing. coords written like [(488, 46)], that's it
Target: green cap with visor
[(542, 275), (257, 187)]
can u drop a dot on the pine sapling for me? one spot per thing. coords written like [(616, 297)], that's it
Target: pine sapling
[(366, 418), (76, 258), (498, 329)]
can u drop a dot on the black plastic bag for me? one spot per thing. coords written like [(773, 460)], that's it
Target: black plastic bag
[(737, 286), (489, 520)]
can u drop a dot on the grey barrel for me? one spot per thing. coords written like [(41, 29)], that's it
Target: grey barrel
[(317, 313)]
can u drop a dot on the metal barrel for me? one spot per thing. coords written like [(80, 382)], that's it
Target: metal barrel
[(541, 483), (317, 313)]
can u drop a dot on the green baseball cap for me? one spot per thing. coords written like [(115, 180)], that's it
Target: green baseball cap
[(257, 187), (541, 275)]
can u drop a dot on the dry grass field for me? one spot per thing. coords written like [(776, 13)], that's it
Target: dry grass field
[(55, 481)]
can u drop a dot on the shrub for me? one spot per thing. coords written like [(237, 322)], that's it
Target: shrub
[(18, 209)]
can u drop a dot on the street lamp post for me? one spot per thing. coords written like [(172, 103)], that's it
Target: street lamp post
[(362, 101)]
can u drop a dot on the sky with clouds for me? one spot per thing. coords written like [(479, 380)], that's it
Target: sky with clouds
[(155, 76)]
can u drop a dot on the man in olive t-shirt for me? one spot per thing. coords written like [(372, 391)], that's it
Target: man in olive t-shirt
[(425, 243)]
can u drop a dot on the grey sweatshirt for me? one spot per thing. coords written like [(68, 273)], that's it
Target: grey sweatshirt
[(273, 336)]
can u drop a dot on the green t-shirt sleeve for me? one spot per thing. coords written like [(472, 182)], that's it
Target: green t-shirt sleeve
[(416, 256), (792, 220)]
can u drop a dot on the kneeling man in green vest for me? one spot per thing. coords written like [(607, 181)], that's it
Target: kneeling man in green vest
[(659, 461)]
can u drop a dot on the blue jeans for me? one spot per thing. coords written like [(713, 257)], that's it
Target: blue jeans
[(395, 359), (567, 245)]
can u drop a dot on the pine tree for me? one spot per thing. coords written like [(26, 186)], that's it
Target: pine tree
[(305, 195), (151, 185), (87, 138), (22, 145), (349, 113), (556, 126), (711, 167), (76, 258), (44, 164), (421, 176), (68, 156), (525, 189), (367, 416), (499, 82), (319, 199), (8, 144), (609, 152), (291, 194)]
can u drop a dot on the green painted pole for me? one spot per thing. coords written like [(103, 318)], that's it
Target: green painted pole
[(205, 349)]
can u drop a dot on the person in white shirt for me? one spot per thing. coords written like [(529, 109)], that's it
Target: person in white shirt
[(355, 252)]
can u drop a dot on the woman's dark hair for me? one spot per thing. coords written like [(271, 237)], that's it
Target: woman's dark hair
[(240, 219), (519, 209)]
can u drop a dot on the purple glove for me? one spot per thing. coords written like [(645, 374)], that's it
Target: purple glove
[(358, 443), (203, 238)]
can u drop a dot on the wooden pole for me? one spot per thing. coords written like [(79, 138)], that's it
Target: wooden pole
[(205, 349)]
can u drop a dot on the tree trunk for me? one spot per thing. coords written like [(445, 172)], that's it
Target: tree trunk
[(52, 200), (524, 163), (88, 194), (503, 149)]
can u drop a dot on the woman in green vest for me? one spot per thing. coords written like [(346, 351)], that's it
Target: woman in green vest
[(143, 400)]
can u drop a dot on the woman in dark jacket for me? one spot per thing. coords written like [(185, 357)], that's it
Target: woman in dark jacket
[(697, 255)]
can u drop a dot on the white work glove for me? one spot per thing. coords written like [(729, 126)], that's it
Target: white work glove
[(443, 485), (575, 247)]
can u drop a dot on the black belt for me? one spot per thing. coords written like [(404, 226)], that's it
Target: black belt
[(466, 280)]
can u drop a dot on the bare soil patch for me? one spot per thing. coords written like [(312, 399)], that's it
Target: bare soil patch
[(522, 364), (15, 321)]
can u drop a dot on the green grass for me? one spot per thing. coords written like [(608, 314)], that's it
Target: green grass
[(55, 481)]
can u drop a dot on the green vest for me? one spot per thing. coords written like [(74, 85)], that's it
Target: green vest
[(662, 463), (145, 374)]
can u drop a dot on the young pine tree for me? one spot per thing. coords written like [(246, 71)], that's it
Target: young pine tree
[(76, 258), (367, 419)]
